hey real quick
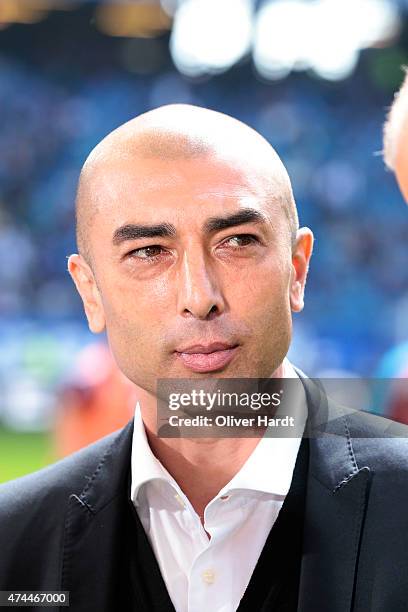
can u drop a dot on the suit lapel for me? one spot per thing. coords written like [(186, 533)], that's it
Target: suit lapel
[(337, 492), (94, 534), (337, 496)]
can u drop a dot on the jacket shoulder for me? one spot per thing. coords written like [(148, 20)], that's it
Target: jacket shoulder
[(33, 510), (54, 482), (367, 439), (379, 442)]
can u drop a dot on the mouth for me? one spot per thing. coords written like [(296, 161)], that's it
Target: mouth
[(207, 358)]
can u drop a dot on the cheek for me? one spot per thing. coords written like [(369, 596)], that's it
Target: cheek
[(129, 302), (262, 300), (134, 329), (136, 317), (402, 176), (262, 288), (401, 161)]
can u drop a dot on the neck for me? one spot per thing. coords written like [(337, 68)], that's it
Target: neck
[(200, 466)]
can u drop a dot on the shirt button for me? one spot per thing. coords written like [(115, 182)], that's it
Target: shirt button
[(208, 576), (180, 501)]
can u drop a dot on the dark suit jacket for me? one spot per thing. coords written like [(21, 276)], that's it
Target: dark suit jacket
[(61, 527)]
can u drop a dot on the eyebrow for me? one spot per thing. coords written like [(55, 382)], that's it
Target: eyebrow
[(132, 231), (245, 215)]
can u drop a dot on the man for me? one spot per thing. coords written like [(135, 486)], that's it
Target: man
[(396, 138), (190, 256), (395, 151)]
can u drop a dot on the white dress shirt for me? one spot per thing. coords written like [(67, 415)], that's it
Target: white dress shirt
[(212, 574)]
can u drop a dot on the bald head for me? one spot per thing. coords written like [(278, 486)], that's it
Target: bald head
[(180, 132)]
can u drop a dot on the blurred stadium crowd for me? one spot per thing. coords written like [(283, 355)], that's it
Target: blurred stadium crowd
[(64, 85)]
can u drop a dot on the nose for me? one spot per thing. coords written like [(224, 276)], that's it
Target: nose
[(199, 294)]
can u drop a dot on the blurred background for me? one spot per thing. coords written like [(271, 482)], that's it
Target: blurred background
[(314, 77)]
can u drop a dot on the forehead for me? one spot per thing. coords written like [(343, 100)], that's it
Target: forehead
[(182, 191)]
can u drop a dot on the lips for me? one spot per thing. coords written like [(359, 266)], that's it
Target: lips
[(207, 358)]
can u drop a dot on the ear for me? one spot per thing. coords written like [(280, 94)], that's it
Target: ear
[(301, 253), (84, 280)]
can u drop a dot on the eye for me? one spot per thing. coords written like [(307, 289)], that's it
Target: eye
[(151, 252), (240, 241)]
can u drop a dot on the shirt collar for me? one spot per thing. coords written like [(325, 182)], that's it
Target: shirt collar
[(145, 466), (268, 469), (270, 466)]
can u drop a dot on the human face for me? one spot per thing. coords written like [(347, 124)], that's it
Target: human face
[(401, 162), (191, 253)]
